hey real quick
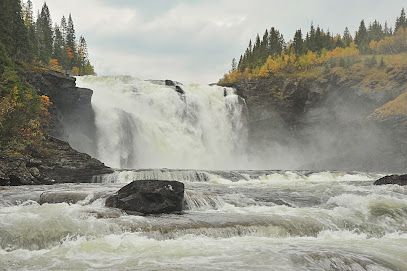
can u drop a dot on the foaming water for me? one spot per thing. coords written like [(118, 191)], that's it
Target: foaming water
[(233, 220), (144, 124)]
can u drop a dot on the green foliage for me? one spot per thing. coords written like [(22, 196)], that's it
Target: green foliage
[(271, 55), (371, 62), (38, 42), (381, 65), (13, 32), (5, 61), (45, 35), (24, 117), (401, 21)]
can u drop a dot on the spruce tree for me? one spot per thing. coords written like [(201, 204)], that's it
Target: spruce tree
[(59, 45), (30, 24), (45, 34), (264, 47), (64, 28), (84, 57), (234, 65), (276, 42), (13, 32), (71, 43), (310, 41), (319, 42), (401, 21), (375, 31), (347, 37), (298, 43), (361, 38)]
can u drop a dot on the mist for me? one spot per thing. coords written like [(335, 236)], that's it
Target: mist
[(335, 134)]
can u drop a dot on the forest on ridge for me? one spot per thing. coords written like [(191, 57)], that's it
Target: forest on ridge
[(270, 55)]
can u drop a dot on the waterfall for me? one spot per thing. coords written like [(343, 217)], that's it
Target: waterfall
[(164, 124)]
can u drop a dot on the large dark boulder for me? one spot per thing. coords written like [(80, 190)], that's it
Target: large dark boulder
[(392, 179), (149, 197)]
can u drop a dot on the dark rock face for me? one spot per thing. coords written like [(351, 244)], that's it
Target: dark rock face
[(169, 83), (149, 197), (392, 179), (323, 123), (62, 165), (71, 108)]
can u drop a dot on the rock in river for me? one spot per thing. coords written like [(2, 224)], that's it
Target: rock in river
[(392, 179), (149, 197)]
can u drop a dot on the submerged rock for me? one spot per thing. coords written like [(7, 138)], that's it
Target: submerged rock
[(149, 197), (392, 179), (60, 197)]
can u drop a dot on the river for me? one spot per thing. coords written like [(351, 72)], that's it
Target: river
[(234, 220)]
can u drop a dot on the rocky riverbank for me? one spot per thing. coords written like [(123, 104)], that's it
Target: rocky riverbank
[(62, 164)]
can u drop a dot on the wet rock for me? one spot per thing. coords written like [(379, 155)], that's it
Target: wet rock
[(169, 83), (149, 197), (392, 179), (17, 171), (60, 197), (179, 90), (62, 165)]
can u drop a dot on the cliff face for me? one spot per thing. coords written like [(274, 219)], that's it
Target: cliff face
[(73, 118), (71, 110), (327, 123)]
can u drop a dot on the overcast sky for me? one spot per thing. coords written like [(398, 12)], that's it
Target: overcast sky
[(194, 41)]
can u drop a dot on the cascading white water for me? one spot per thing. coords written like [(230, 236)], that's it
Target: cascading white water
[(146, 124)]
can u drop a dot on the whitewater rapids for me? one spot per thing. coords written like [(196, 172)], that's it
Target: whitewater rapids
[(234, 220)]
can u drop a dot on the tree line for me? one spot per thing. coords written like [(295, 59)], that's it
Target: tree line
[(31, 39), (28, 42), (271, 54)]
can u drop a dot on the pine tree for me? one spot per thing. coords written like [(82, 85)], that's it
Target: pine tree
[(347, 37), (329, 42), (298, 43), (319, 42), (361, 38), (71, 43), (310, 41), (30, 24), (375, 31), (13, 32), (234, 65), (401, 21), (84, 57), (59, 46), (276, 42), (387, 31), (264, 47), (45, 35), (64, 28)]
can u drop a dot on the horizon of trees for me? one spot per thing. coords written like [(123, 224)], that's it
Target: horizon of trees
[(271, 54), (28, 41), (36, 40)]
